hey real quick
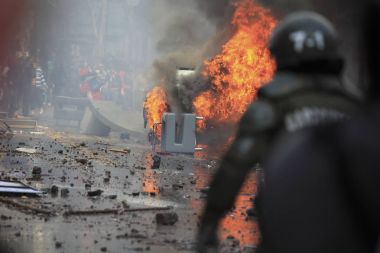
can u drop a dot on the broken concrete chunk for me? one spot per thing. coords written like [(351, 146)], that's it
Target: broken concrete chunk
[(27, 150), (156, 162), (123, 151), (3, 217), (94, 193), (54, 190), (177, 186), (167, 219), (82, 161), (58, 245), (64, 192), (36, 170)]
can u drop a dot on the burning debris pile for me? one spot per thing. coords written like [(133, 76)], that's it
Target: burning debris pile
[(155, 106), (232, 77)]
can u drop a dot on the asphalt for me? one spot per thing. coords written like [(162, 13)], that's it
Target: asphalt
[(84, 163)]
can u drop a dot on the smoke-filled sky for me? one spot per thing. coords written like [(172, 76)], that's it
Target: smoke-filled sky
[(189, 31), (171, 33)]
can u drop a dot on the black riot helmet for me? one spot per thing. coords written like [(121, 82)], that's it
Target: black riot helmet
[(306, 42)]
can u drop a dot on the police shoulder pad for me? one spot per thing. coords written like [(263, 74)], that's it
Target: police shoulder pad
[(260, 116), (284, 85)]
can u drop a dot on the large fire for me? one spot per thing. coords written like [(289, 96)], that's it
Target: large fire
[(236, 74), (243, 66), (155, 107)]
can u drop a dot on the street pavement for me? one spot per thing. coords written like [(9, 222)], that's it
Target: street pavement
[(122, 170)]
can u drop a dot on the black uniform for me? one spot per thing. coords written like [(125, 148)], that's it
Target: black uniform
[(321, 190), (330, 200), (297, 99)]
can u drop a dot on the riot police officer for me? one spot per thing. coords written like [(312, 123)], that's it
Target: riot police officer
[(307, 91), (330, 201)]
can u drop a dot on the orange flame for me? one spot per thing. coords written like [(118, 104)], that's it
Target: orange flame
[(155, 106), (243, 66)]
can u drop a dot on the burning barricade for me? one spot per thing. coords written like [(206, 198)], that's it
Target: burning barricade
[(231, 78)]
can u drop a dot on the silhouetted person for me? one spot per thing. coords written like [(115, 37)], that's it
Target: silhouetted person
[(25, 86), (306, 92), (322, 189)]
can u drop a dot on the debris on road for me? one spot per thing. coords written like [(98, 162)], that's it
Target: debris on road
[(124, 151), (64, 193), (114, 211), (54, 190), (26, 207), (27, 150), (91, 212), (17, 188), (94, 193), (36, 170), (166, 219), (156, 162), (82, 161)]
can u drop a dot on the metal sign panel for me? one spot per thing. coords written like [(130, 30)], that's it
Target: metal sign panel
[(186, 142), (8, 187)]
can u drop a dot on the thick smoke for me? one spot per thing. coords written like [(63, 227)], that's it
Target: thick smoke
[(188, 32), (217, 11), (191, 31)]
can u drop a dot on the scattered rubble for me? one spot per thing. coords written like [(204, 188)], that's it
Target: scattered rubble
[(94, 193), (27, 150), (27, 207), (64, 192), (135, 198), (54, 190), (36, 170), (167, 219), (58, 245), (123, 151), (156, 162), (82, 161), (177, 186)]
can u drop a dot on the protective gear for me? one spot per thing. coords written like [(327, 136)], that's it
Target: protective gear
[(293, 101), (281, 107), (306, 42), (330, 200), (207, 241)]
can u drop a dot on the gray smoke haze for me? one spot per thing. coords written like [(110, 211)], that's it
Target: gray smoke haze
[(188, 32), (191, 31), (218, 12)]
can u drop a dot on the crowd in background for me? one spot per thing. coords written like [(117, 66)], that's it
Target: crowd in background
[(28, 85), (24, 90), (100, 83)]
